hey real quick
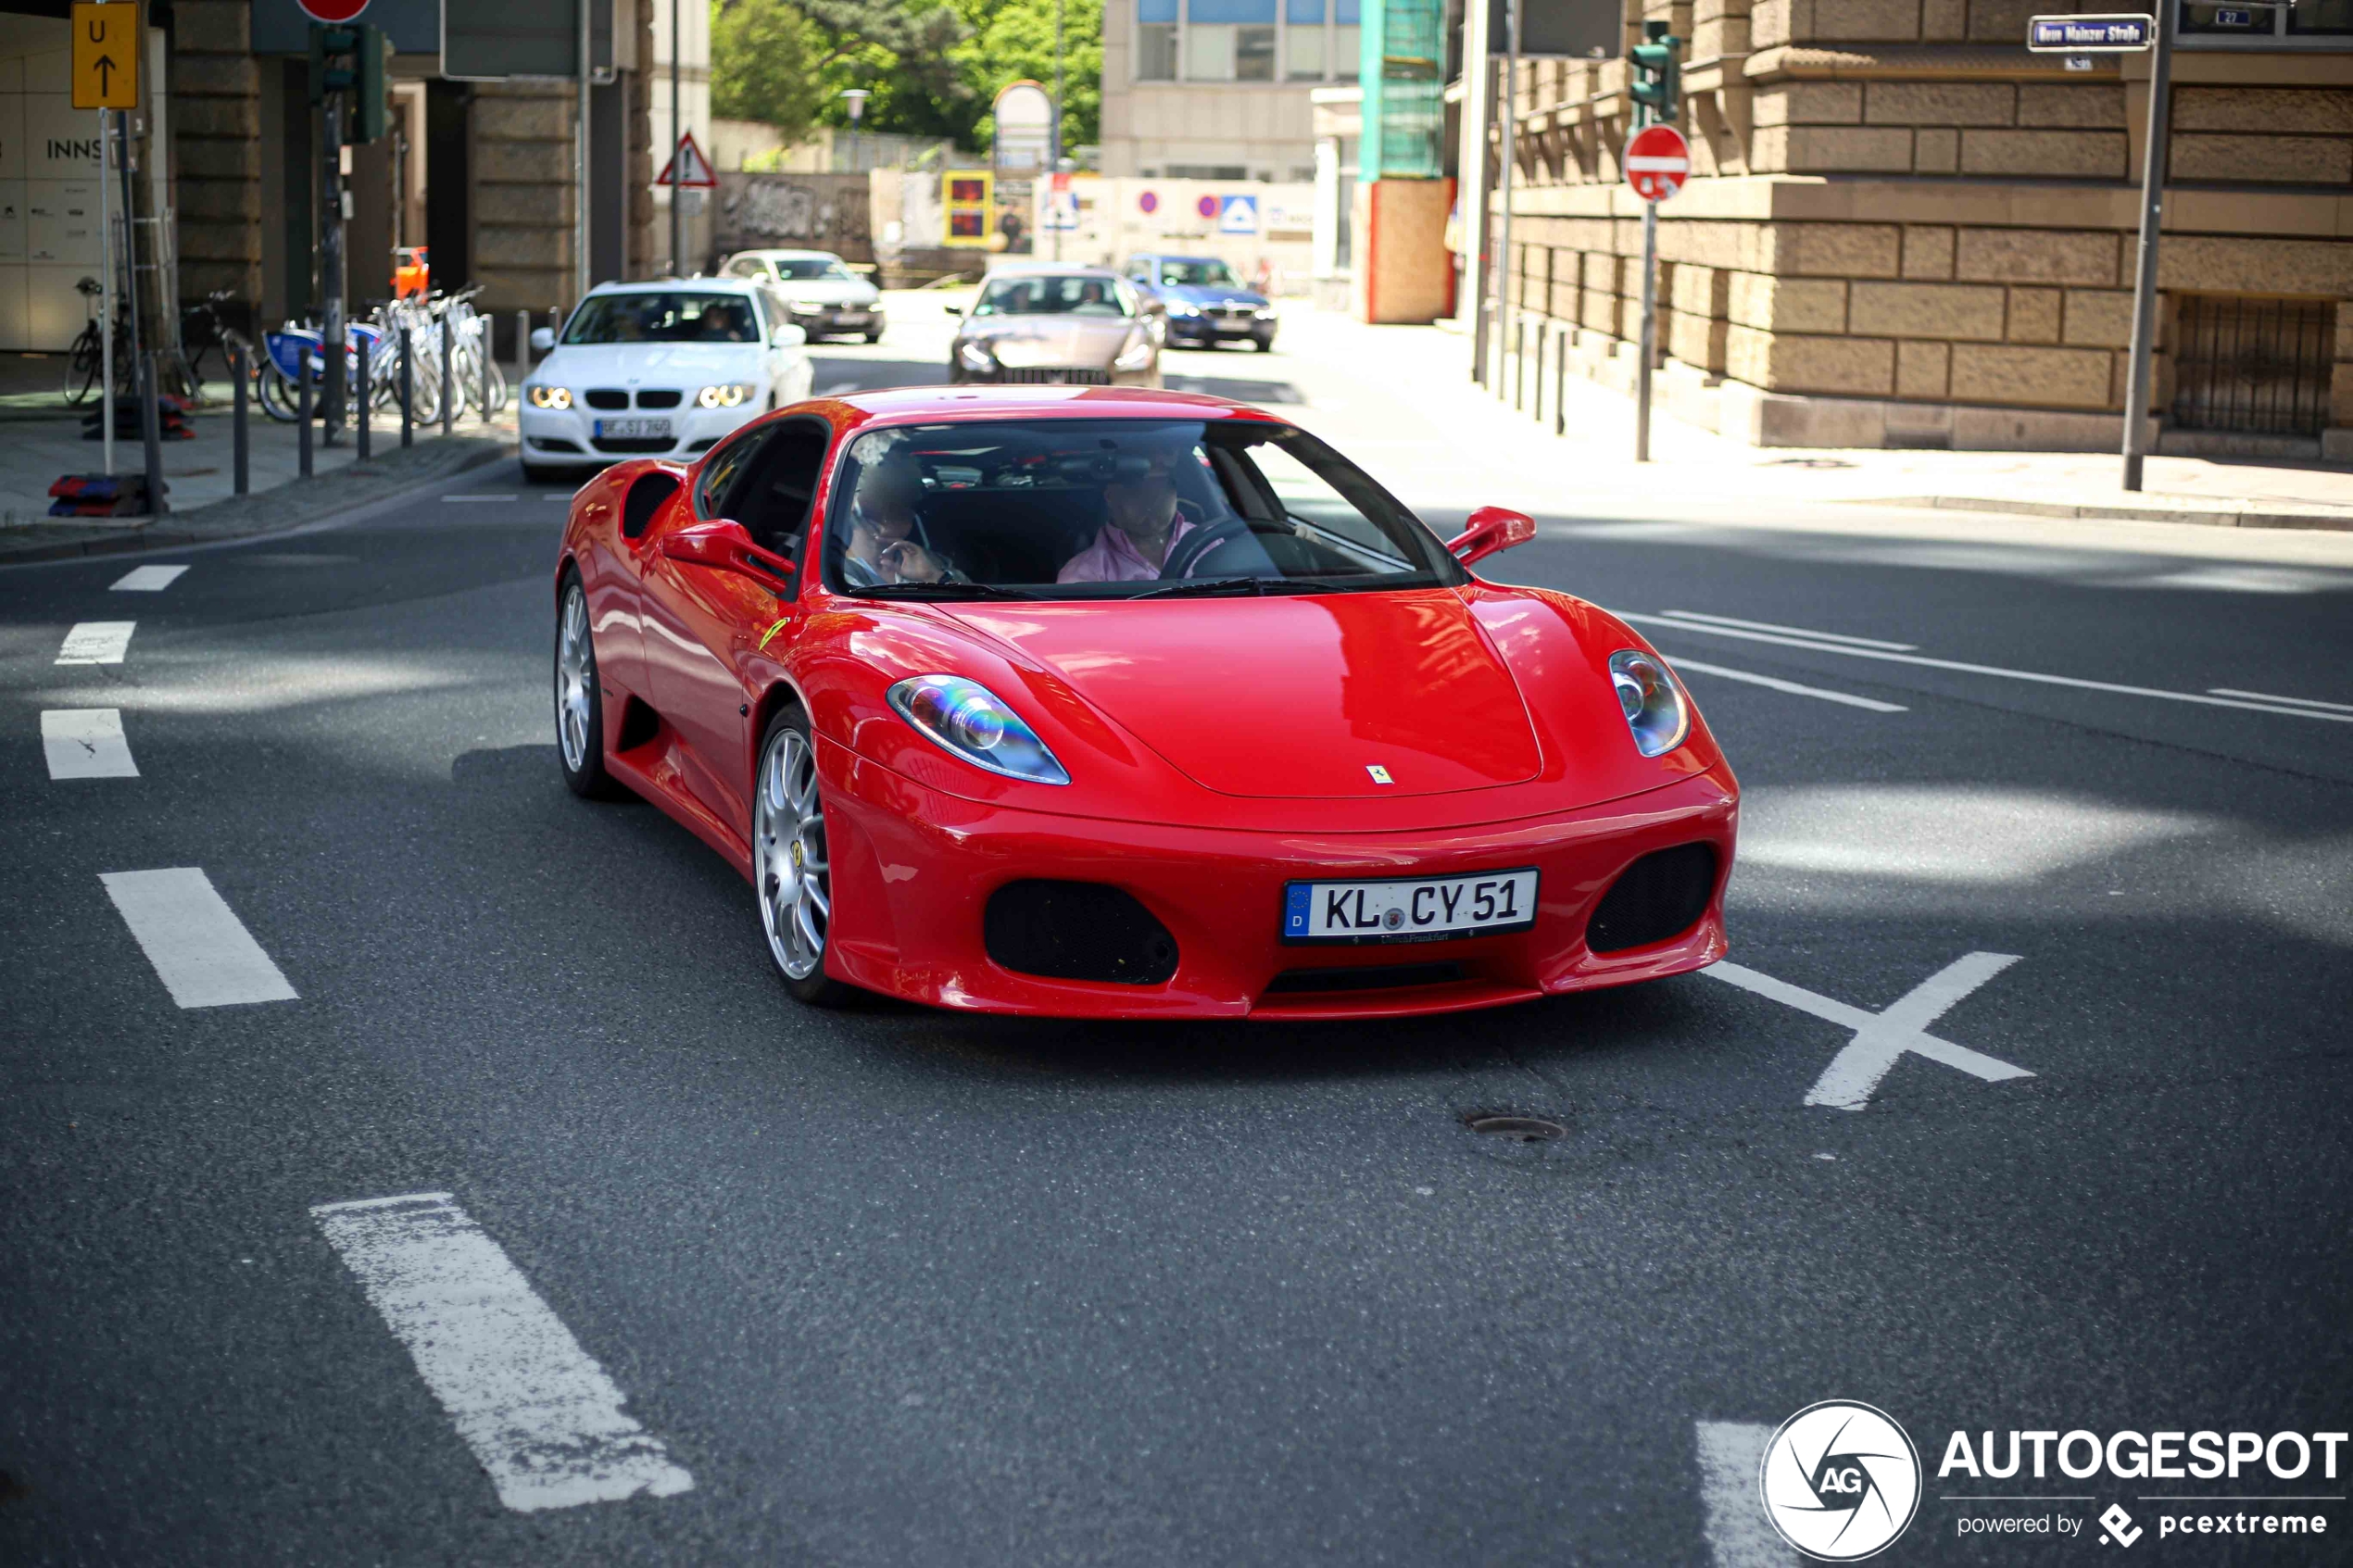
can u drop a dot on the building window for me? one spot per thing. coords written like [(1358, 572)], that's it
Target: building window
[(1346, 45), (1254, 54), (2320, 16), (1209, 53), (1156, 51), (1303, 52), (1207, 171)]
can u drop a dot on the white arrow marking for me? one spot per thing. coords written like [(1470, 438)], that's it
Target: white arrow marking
[(1881, 1038)]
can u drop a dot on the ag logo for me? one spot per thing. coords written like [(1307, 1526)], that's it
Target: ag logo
[(1840, 1481)]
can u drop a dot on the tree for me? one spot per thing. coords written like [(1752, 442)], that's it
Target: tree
[(760, 66), (1014, 39)]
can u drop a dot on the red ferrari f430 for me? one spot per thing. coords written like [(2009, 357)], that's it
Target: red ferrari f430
[(1110, 702)]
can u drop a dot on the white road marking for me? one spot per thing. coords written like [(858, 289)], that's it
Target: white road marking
[(86, 743), (1881, 1038), (1994, 670), (147, 578), (201, 952), (1871, 704), (97, 642), (1731, 1454), (1694, 615), (538, 1411), (482, 498), (2298, 701)]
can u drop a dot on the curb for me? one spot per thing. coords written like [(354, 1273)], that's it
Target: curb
[(291, 505), (2236, 518)]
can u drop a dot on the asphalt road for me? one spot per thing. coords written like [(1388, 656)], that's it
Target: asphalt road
[(896, 1286)]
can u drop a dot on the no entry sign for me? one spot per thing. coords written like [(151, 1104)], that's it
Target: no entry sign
[(1657, 162), (333, 11)]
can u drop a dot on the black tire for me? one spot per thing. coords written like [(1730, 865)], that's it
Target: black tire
[(1266, 344), (81, 366), (873, 335), (579, 724), (789, 855)]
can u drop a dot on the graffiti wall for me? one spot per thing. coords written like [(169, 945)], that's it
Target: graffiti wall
[(797, 211)]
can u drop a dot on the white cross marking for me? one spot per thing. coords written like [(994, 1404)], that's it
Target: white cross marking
[(1881, 1038)]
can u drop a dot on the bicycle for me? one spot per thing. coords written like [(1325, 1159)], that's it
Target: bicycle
[(85, 358), (203, 328)]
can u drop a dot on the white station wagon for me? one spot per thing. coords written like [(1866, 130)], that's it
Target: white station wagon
[(658, 370)]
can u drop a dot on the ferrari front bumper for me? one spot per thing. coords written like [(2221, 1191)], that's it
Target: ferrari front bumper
[(913, 870)]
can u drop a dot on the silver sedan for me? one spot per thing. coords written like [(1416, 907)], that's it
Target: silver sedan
[(1074, 326)]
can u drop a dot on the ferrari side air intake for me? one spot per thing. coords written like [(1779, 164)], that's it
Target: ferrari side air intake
[(1659, 896), (1076, 931)]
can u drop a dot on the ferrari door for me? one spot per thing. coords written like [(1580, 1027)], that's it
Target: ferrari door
[(702, 621), (620, 549)]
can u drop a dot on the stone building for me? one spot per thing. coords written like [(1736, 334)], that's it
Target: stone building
[(1905, 230)]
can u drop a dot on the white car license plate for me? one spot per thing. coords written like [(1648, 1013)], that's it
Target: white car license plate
[(1409, 908), (850, 317), (632, 430)]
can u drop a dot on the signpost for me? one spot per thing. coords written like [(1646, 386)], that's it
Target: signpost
[(2129, 33), (105, 76), (1657, 162)]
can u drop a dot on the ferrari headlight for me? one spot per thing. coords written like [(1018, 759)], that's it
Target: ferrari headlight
[(1651, 700), (966, 720), (731, 395), (974, 357), (1136, 355), (548, 396)]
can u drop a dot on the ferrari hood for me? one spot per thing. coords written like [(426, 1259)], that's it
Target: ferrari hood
[(1336, 695)]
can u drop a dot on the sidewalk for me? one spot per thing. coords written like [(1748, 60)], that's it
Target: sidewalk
[(35, 449), (1696, 464)]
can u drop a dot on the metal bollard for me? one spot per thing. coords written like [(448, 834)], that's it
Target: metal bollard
[(449, 386), (1560, 384), (240, 446), (151, 434), (489, 347), (523, 349), (408, 392), (302, 413), (360, 394)]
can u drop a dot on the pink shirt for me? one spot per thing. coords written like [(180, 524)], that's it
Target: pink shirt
[(1112, 557)]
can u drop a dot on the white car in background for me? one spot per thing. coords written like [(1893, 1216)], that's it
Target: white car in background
[(658, 370), (823, 295)]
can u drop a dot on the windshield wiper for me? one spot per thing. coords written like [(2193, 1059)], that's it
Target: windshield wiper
[(940, 591), (1207, 587)]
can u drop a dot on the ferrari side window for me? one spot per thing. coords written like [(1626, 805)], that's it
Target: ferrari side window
[(720, 472)]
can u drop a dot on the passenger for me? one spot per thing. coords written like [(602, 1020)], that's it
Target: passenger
[(1145, 525), (725, 322), (884, 544)]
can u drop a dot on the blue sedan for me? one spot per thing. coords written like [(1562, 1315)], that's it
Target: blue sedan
[(1206, 304)]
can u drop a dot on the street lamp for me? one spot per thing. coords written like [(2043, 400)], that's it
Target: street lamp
[(857, 97)]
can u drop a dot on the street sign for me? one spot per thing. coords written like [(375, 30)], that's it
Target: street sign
[(333, 11), (687, 168), (2124, 34), (1657, 162), (105, 55), (1062, 204), (1240, 216)]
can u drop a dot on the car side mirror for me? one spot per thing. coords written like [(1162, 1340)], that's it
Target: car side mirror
[(787, 336), (724, 545), (1491, 529), (543, 340)]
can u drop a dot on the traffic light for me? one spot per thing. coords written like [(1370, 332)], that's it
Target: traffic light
[(1658, 85), (355, 60)]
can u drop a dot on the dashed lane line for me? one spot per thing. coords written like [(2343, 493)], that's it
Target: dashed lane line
[(1998, 672), (1732, 1455), (97, 642), (1881, 1038), (147, 578), (482, 498), (1694, 615), (201, 951), (1870, 704), (540, 1414), (2297, 701), (86, 743)]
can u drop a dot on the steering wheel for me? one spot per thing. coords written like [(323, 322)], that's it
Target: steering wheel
[(1195, 545)]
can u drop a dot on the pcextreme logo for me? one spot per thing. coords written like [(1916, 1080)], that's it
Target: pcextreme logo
[(1840, 1481)]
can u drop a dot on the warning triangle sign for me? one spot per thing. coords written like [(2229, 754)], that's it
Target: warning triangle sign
[(688, 168)]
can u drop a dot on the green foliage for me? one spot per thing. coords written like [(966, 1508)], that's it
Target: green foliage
[(760, 64), (1014, 39)]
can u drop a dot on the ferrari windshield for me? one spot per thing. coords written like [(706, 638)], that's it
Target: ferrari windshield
[(1084, 293), (669, 316), (1117, 508), (1198, 274)]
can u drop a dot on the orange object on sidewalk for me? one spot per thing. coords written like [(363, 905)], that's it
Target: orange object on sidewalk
[(411, 271)]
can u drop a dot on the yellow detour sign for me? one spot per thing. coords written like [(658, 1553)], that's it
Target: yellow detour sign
[(105, 55)]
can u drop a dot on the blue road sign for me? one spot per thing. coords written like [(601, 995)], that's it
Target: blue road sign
[(2098, 35), (1238, 215)]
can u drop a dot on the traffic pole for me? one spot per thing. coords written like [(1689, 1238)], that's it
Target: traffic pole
[(106, 293), (240, 442), (2153, 156), (359, 398), (1650, 333), (407, 391), (449, 377), (330, 268)]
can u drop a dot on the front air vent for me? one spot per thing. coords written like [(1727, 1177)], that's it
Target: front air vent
[(1076, 931), (1659, 896), (636, 446), (666, 399), (645, 499), (1043, 375), (606, 398)]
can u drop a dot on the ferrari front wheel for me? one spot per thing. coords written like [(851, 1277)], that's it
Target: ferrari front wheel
[(791, 865), (579, 707)]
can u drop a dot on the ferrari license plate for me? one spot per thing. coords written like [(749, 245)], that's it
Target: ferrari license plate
[(632, 430), (1410, 908)]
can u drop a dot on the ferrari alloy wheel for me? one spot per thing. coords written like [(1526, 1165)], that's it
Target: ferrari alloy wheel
[(580, 710), (791, 862)]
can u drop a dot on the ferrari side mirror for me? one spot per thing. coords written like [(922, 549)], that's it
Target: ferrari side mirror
[(726, 545), (1491, 529)]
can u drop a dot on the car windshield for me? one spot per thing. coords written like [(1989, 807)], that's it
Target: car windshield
[(1198, 274), (669, 317), (1117, 508), (1053, 295), (812, 269)]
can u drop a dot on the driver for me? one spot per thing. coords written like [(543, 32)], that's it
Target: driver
[(1145, 523), (884, 543)]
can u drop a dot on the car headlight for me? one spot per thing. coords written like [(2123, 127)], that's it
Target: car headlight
[(1265, 312), (548, 396), (1651, 700), (966, 720), (974, 357), (1136, 355), (1178, 307), (731, 395), (808, 307)]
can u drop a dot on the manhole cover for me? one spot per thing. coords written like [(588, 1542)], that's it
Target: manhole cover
[(1520, 1129)]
